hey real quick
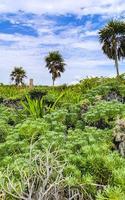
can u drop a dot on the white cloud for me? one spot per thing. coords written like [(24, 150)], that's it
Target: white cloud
[(29, 52), (78, 44), (80, 7), (87, 45)]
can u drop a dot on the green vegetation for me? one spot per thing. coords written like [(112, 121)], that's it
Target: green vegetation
[(62, 142), (65, 142)]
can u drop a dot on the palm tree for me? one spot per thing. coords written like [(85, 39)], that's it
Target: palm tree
[(55, 64), (17, 75), (112, 38)]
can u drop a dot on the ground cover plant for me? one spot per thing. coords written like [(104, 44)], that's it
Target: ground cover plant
[(63, 142)]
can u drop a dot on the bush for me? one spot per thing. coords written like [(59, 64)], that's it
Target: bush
[(92, 168), (37, 94), (104, 114)]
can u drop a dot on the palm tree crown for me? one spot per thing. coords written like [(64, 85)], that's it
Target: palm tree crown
[(55, 64), (17, 75), (112, 38)]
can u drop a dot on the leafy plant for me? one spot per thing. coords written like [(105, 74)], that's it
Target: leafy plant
[(37, 107), (103, 114), (34, 107), (63, 118)]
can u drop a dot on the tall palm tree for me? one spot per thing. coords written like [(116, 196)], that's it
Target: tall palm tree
[(17, 75), (55, 64), (112, 38)]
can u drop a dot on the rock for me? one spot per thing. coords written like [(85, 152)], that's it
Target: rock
[(119, 137), (13, 103), (114, 96)]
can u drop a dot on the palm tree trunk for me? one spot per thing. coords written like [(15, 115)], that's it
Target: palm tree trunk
[(116, 58), (53, 81), (117, 66)]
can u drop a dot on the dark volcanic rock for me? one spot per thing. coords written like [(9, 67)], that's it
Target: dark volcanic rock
[(13, 103)]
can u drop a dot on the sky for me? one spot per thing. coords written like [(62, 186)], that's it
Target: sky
[(30, 29)]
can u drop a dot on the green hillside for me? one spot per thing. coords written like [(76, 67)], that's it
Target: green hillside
[(63, 142)]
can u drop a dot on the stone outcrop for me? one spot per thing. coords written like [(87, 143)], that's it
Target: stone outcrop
[(119, 137)]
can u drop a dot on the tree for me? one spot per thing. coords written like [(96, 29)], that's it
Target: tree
[(112, 38), (55, 64), (17, 75)]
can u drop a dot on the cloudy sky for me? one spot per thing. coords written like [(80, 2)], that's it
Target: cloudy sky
[(29, 29)]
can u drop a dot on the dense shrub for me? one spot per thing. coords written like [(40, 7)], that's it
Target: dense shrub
[(37, 94), (79, 123), (103, 114)]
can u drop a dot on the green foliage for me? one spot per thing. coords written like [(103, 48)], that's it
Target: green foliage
[(34, 107), (77, 122), (37, 94), (8, 115), (104, 113), (111, 193), (12, 91), (90, 83), (106, 88)]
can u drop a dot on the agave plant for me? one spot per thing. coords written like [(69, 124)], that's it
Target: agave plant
[(37, 107), (33, 107)]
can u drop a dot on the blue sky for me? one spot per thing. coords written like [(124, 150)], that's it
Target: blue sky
[(30, 29)]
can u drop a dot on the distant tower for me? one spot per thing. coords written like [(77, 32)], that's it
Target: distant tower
[(31, 83)]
